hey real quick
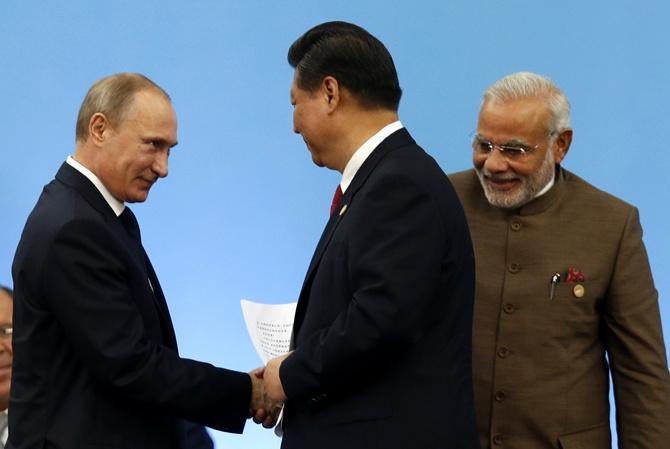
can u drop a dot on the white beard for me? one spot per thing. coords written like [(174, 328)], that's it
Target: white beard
[(525, 192)]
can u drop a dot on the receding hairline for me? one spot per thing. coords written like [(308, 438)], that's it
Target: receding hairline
[(541, 99), (529, 85), (131, 106), (113, 96)]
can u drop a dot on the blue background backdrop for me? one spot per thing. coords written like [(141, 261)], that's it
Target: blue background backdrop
[(243, 207)]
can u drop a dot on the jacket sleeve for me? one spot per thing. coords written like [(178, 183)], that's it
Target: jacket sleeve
[(86, 280), (635, 346)]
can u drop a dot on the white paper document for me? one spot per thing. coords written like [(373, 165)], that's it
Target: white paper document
[(269, 327)]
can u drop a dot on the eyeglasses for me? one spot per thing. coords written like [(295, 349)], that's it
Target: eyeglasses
[(484, 147), (6, 330), (511, 151)]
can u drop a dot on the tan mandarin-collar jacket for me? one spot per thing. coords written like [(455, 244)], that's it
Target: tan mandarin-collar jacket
[(540, 371)]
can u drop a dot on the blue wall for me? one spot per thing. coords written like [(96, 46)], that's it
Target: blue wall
[(243, 207)]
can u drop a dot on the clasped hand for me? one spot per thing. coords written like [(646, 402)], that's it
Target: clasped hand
[(267, 393)]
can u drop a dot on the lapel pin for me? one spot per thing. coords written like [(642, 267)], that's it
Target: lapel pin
[(343, 210), (578, 291)]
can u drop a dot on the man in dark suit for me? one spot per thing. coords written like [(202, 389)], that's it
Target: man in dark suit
[(564, 293), (381, 353), (96, 361)]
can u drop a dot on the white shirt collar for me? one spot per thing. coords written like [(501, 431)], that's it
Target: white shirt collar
[(549, 185), (4, 436), (116, 205), (364, 151)]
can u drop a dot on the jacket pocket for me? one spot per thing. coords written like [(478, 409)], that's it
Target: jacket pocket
[(596, 437)]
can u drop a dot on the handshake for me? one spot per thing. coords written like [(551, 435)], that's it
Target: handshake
[(267, 393)]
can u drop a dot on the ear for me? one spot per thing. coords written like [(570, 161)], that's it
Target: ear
[(98, 128), (562, 145), (330, 90)]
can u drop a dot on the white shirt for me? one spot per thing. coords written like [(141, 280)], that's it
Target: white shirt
[(116, 205), (365, 151), (5, 433)]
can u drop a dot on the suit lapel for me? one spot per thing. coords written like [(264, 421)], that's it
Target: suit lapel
[(164, 312), (396, 140), (325, 239), (71, 177)]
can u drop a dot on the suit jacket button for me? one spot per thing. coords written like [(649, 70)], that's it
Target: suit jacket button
[(516, 226), (500, 396), (509, 308), (497, 439), (514, 268), (503, 352)]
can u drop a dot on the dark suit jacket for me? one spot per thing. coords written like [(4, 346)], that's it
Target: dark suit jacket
[(383, 325), (540, 368), (197, 437), (95, 355)]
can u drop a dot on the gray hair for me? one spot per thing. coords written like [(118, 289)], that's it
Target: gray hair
[(527, 84)]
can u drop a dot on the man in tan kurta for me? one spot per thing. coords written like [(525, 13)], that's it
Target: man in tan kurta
[(563, 280)]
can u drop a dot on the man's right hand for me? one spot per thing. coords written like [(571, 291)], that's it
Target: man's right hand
[(256, 404)]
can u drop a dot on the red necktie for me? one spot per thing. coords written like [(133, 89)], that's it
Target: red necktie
[(336, 200)]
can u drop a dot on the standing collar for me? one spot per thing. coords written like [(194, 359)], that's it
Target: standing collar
[(364, 151), (543, 201), (548, 186), (116, 205)]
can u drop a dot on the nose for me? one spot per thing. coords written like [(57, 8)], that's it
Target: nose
[(496, 162), (6, 345), (160, 165)]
